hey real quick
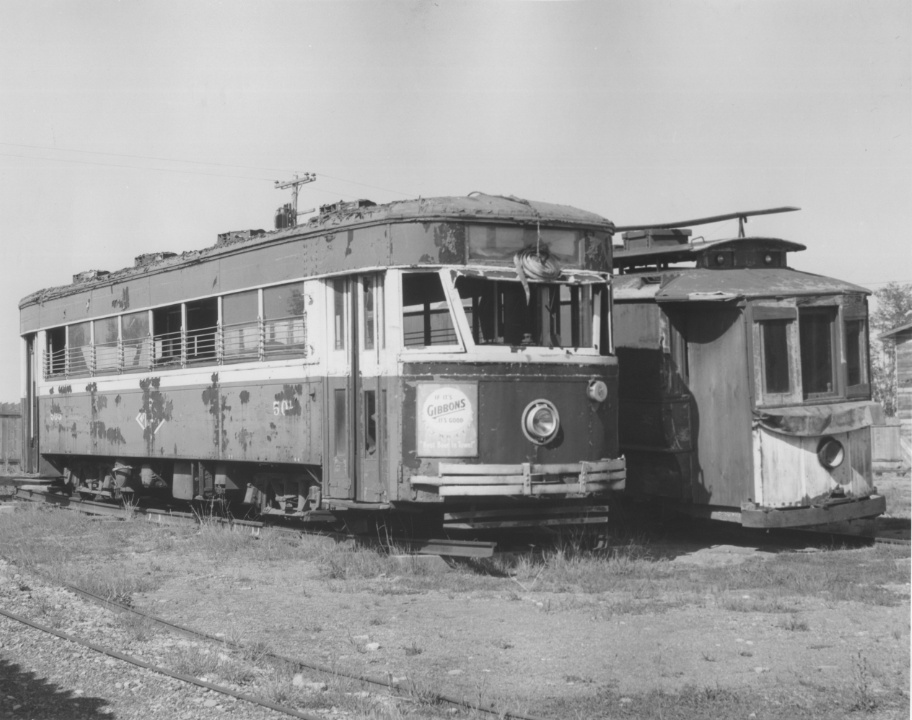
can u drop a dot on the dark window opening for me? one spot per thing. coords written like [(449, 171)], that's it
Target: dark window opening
[(370, 422), (856, 352), (166, 331), (775, 356), (817, 346), (56, 351), (202, 328), (426, 318), (554, 315)]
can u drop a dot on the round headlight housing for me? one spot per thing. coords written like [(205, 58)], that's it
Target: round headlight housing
[(830, 453), (597, 390), (540, 421)]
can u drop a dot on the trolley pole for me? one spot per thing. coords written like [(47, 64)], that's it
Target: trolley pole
[(295, 186)]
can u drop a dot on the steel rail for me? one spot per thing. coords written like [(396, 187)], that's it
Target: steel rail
[(384, 683), (421, 546), (221, 689)]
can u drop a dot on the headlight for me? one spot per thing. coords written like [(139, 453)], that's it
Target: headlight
[(540, 421), (830, 453), (597, 390)]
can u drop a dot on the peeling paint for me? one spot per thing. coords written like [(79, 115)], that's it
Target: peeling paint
[(245, 397), (288, 401), (156, 408), (450, 241), (218, 407), (123, 302)]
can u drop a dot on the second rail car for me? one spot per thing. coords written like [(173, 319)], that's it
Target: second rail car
[(745, 388)]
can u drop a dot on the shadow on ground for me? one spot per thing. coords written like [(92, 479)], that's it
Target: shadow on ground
[(23, 694)]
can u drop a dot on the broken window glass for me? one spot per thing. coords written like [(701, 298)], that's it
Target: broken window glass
[(553, 315)]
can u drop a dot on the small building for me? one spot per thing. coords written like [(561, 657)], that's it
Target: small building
[(901, 341)]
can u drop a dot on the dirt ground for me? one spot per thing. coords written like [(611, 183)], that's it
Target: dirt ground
[(752, 628), (544, 649)]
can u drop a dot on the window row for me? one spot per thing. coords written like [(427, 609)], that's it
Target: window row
[(806, 347), (239, 327), (503, 312), (272, 322)]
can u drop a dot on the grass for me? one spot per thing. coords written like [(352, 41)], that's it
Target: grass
[(88, 553), (118, 560), (694, 702)]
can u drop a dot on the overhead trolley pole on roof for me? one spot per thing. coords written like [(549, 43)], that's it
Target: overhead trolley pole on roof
[(291, 212)]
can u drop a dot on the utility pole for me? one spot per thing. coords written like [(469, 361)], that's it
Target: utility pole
[(295, 186)]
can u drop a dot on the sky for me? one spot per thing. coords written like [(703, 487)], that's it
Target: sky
[(153, 125)]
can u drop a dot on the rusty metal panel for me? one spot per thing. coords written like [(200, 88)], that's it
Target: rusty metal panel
[(273, 263), (774, 282), (588, 430), (270, 422), (125, 296)]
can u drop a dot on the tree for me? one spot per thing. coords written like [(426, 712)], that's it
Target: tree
[(893, 309)]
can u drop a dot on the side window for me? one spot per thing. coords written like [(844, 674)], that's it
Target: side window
[(774, 342), (816, 331), (167, 324), (106, 350), (339, 288), (426, 317), (777, 355), (284, 320), (136, 340), (240, 326), (56, 352), (79, 348), (856, 354)]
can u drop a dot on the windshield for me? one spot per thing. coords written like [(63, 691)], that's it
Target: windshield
[(505, 312)]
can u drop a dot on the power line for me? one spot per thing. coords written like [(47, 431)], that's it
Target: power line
[(179, 160)]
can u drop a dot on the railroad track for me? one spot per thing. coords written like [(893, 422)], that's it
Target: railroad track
[(389, 685), (418, 546)]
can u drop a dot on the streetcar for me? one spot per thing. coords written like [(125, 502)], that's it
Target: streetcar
[(445, 358), (745, 389)]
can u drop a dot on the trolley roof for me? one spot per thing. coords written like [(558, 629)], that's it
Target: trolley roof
[(477, 207), (707, 285)]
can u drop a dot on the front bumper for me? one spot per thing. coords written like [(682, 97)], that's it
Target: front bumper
[(525, 479), (832, 512)]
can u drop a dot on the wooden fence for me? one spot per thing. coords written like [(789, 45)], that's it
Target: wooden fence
[(10, 442), (886, 445)]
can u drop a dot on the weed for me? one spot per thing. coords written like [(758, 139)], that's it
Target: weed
[(862, 691), (191, 659), (794, 624), (413, 649), (138, 627), (762, 604)]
